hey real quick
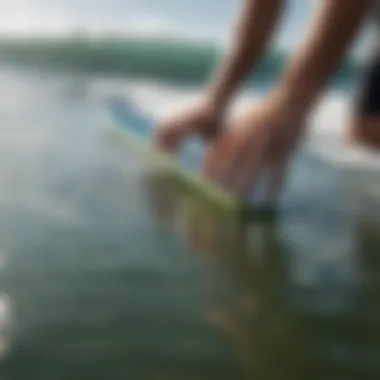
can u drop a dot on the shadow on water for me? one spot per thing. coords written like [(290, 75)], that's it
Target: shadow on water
[(251, 297)]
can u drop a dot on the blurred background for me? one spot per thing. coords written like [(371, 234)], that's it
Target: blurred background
[(148, 40), (109, 270)]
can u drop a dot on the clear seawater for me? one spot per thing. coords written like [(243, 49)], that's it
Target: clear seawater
[(107, 271)]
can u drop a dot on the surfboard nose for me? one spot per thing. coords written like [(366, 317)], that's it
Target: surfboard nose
[(131, 117)]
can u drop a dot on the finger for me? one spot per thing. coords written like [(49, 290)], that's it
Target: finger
[(216, 159), (280, 167), (276, 180), (235, 161), (250, 167), (225, 167), (250, 177), (168, 138)]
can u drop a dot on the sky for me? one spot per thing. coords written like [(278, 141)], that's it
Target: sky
[(197, 19)]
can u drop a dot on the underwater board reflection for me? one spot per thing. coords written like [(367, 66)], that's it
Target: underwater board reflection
[(250, 297), (248, 281)]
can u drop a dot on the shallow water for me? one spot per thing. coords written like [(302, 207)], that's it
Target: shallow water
[(109, 271)]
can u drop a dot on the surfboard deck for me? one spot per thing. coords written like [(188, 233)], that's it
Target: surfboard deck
[(135, 128)]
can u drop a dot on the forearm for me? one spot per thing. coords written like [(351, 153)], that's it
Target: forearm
[(255, 27), (320, 55)]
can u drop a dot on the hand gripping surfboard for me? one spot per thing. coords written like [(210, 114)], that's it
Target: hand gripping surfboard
[(136, 128)]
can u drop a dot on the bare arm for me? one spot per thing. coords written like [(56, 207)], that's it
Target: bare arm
[(258, 146), (335, 26), (255, 28)]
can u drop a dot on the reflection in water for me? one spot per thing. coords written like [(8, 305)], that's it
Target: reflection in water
[(251, 301)]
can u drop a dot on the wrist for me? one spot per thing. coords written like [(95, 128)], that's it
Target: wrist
[(297, 100), (219, 96), (215, 102)]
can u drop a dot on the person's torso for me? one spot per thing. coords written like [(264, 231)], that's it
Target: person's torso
[(376, 13)]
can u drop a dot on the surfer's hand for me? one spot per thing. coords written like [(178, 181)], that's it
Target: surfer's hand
[(259, 142), (204, 118)]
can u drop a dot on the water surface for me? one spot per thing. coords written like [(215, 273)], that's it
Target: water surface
[(109, 271)]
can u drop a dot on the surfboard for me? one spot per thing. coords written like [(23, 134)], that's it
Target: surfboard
[(136, 128)]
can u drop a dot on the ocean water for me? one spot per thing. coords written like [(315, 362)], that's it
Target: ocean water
[(168, 59), (107, 270)]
